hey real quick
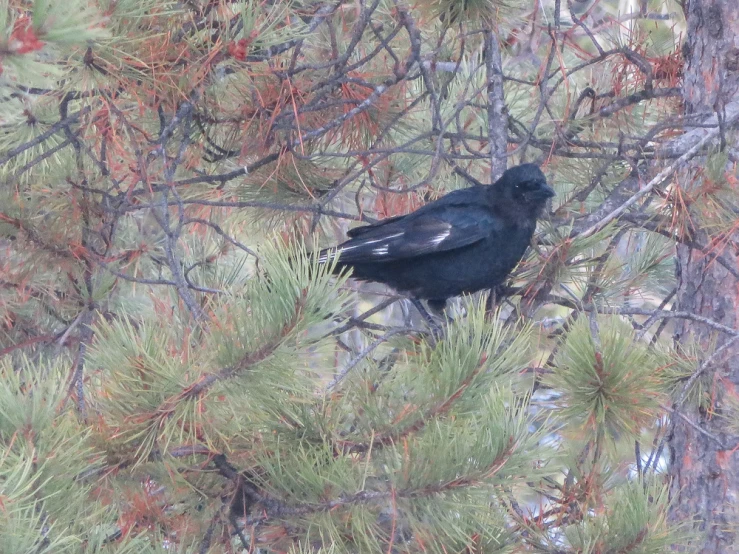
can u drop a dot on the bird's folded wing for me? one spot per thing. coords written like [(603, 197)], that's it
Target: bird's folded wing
[(417, 235)]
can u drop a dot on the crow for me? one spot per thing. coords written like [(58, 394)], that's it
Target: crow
[(466, 241)]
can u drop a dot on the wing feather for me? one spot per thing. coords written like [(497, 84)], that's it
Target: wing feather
[(418, 234)]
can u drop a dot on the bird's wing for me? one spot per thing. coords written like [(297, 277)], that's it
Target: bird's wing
[(418, 234), (463, 197)]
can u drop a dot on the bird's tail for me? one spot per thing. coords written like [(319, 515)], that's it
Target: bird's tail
[(330, 256), (302, 266), (322, 261)]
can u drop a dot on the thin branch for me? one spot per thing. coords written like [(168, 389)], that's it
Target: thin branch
[(496, 109), (657, 180), (361, 356)]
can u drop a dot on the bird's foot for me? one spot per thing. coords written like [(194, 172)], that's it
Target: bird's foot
[(438, 333)]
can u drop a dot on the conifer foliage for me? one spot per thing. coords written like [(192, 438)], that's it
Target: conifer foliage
[(179, 373)]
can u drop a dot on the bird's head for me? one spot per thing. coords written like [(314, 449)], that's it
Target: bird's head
[(522, 190)]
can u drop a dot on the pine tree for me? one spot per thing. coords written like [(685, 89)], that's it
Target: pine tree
[(180, 374), (703, 442)]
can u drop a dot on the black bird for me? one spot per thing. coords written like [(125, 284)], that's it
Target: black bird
[(466, 241)]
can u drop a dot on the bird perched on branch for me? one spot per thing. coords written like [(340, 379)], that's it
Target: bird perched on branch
[(466, 241)]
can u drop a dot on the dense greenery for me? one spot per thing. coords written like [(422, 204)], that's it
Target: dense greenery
[(179, 374)]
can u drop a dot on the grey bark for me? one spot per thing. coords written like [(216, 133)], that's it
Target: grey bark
[(704, 466)]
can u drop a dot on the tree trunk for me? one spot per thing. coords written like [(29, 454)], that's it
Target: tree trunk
[(704, 466)]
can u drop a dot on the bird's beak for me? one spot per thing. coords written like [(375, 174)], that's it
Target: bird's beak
[(543, 192)]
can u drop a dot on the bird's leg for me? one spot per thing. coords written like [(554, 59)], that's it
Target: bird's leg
[(436, 330), (426, 316), (498, 295), (492, 300)]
